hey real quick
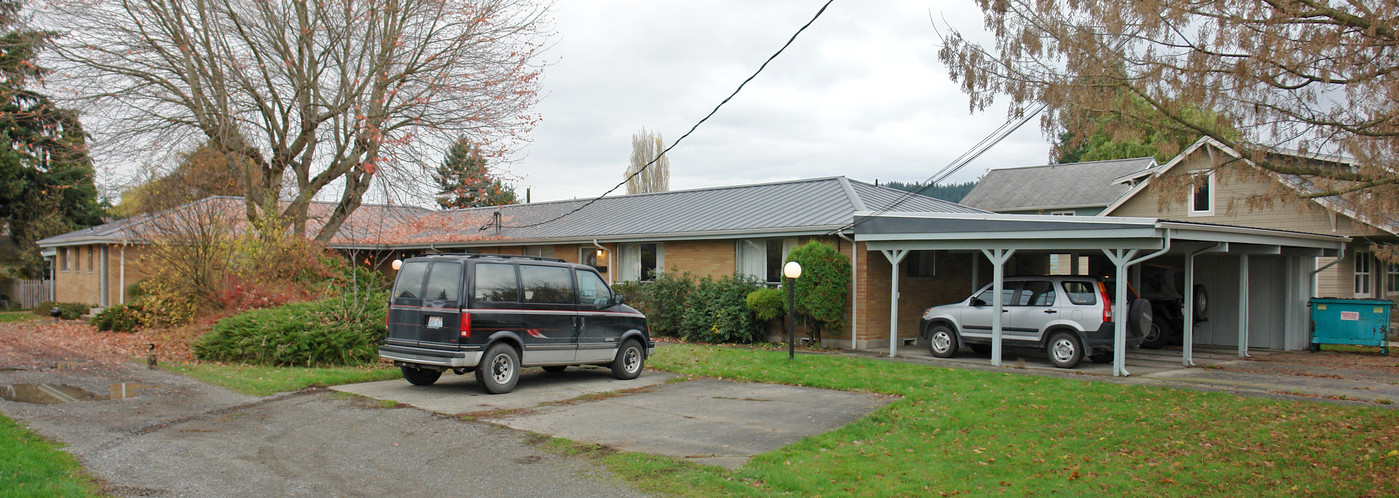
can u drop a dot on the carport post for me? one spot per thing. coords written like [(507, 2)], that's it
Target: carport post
[(1120, 259), (998, 259), (1243, 306), (1187, 345), (895, 257)]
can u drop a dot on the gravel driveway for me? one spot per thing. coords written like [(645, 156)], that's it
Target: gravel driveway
[(186, 438)]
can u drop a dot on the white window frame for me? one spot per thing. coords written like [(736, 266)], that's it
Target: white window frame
[(750, 256), (1063, 213), (1391, 279), (67, 260), (629, 261), (1364, 274), (91, 258), (1213, 194)]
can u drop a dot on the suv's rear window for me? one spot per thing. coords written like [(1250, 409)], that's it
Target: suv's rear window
[(496, 282), (444, 282), (410, 280), (1081, 293), (547, 284)]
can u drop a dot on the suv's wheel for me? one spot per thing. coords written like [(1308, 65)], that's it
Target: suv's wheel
[(499, 369), (629, 361), (981, 349), (420, 376), (942, 341), (1159, 334), (1065, 350)]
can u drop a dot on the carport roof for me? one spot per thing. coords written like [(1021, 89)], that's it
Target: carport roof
[(954, 231)]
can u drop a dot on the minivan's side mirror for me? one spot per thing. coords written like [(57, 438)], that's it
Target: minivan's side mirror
[(618, 300)]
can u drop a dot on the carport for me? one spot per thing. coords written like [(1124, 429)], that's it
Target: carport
[(1285, 261)]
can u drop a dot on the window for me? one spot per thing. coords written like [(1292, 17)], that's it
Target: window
[(641, 262), (1063, 264), (63, 259), (594, 257), (921, 264), (91, 256), (1202, 194), (496, 283), (444, 282), (1364, 265), (410, 280), (1036, 293), (1081, 293), (591, 290), (546, 284), (763, 258), (539, 251), (1391, 278), (1062, 213)]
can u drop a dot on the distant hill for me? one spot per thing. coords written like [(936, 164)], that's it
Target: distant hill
[(949, 192)]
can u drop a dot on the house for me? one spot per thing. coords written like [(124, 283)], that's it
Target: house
[(1238, 193), (1081, 189)]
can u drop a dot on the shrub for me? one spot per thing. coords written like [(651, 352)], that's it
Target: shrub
[(163, 306), (823, 288), (121, 318), (662, 300), (717, 311), (328, 332), (767, 303), (67, 311)]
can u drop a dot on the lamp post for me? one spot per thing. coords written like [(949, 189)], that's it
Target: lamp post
[(792, 270)]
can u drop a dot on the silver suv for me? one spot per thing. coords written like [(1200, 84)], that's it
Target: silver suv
[(1068, 317)]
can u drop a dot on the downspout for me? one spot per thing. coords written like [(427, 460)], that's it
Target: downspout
[(609, 260), (121, 271), (1164, 249), (854, 289), (1339, 256)]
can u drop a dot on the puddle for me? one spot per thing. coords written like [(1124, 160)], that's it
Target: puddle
[(51, 394)]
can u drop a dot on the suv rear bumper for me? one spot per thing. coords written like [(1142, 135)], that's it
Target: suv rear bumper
[(426, 356), (1103, 338)]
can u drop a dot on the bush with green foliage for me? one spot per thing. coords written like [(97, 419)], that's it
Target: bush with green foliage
[(717, 311), (661, 299), (67, 311), (335, 331), (120, 318), (767, 303), (823, 289)]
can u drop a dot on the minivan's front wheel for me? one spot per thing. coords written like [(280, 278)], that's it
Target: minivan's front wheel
[(499, 369), (420, 376), (1065, 350), (942, 341), (629, 361)]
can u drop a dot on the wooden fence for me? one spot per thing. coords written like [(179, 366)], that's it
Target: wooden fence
[(28, 293)]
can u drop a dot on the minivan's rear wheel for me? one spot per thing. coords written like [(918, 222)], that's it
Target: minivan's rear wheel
[(499, 369), (1065, 350), (629, 361), (420, 376), (942, 341)]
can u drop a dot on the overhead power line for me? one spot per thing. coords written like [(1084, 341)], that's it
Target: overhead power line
[(682, 137)]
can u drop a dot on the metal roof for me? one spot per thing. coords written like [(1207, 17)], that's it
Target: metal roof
[(780, 208), (1055, 186)]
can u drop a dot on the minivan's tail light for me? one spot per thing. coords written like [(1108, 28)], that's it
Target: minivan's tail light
[(1107, 303), (465, 326)]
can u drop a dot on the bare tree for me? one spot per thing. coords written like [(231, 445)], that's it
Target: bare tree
[(314, 93), (1310, 75), (645, 147)]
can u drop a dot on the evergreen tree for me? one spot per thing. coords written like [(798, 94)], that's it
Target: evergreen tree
[(46, 176), (463, 180), (952, 192)]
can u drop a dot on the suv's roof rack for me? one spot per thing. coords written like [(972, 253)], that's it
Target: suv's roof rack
[(473, 255)]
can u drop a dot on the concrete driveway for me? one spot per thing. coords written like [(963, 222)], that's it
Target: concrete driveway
[(711, 422)]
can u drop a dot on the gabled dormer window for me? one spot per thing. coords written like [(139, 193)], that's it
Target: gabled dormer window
[(1202, 194)]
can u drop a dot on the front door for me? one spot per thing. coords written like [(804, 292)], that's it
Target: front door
[(550, 314)]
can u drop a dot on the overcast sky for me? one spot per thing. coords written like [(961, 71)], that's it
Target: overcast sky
[(859, 94)]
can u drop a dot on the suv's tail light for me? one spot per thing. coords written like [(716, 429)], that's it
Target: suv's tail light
[(1107, 303), (465, 325)]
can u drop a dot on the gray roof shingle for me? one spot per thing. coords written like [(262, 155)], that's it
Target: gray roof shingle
[(1055, 186)]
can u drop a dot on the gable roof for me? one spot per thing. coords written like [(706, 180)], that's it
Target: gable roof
[(1056, 186), (809, 206), (1297, 183)]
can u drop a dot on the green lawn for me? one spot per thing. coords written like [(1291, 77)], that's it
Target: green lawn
[(970, 432), (261, 381), (33, 466), (17, 316)]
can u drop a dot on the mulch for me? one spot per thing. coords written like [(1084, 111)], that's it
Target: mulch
[(52, 344)]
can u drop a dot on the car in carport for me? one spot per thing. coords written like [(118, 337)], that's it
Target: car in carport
[(1068, 317)]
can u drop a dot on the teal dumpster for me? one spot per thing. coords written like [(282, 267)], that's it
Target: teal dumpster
[(1362, 322)]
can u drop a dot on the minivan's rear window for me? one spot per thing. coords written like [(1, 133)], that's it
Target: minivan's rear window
[(410, 280), (444, 282), (496, 282)]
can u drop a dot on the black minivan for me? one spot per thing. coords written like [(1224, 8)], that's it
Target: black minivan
[(495, 314)]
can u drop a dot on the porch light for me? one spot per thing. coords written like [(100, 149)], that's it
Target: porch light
[(397, 263), (792, 270), (599, 253)]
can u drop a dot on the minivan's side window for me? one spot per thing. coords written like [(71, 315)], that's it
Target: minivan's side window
[(591, 290), (410, 280), (444, 282), (1080, 293), (546, 284), (496, 282)]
